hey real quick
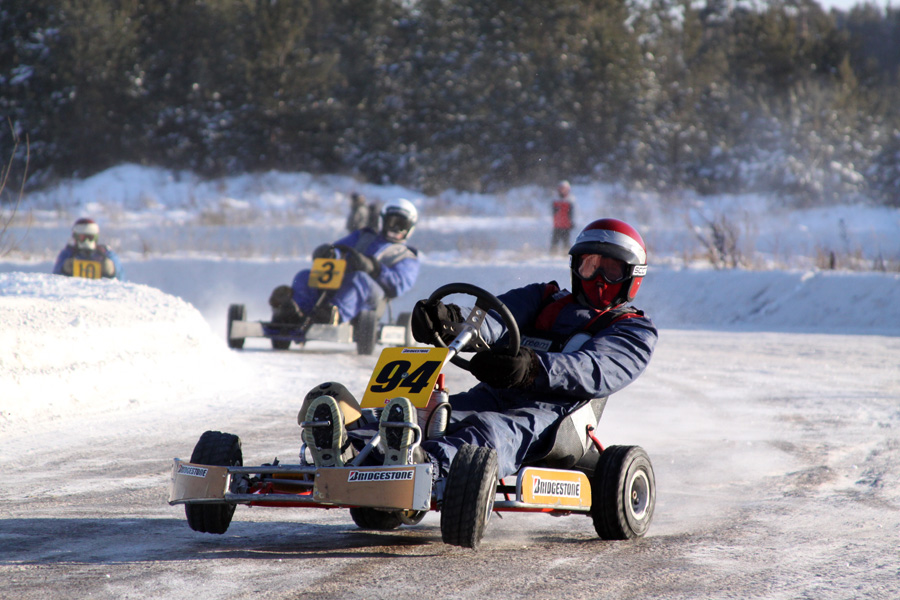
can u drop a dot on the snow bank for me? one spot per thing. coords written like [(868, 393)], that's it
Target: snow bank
[(789, 301), (76, 346)]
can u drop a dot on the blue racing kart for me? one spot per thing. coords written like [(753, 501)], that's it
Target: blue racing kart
[(366, 330)]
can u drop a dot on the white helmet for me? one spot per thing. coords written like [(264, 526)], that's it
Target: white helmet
[(398, 219), (85, 233)]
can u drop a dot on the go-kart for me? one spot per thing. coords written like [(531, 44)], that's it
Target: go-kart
[(365, 330), (615, 485)]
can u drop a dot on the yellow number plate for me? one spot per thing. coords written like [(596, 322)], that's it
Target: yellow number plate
[(89, 269), (555, 487), (327, 273), (407, 372)]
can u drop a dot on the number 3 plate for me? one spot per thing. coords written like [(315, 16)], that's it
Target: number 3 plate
[(407, 372), (327, 273)]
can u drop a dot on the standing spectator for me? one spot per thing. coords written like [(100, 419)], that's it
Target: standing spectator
[(85, 257), (374, 215), (359, 213), (563, 218)]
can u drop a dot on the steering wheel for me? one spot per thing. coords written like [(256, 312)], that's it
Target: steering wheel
[(484, 301)]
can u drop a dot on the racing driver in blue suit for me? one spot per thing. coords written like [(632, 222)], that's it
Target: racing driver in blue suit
[(380, 266), (84, 256)]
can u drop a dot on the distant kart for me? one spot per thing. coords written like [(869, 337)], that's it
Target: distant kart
[(615, 485), (366, 330)]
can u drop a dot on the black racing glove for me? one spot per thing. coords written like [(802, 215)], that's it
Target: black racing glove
[(357, 261), (429, 318), (324, 251), (505, 371)]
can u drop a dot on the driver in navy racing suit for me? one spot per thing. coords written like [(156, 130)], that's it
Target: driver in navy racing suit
[(521, 399), (578, 345)]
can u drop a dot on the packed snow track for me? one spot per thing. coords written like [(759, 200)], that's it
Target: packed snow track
[(776, 456)]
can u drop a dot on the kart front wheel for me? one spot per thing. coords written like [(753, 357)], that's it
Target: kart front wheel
[(216, 449), (279, 344), (624, 493), (372, 518), (469, 496), (236, 312)]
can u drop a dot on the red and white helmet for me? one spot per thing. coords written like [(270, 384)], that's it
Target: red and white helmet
[(85, 232), (614, 275)]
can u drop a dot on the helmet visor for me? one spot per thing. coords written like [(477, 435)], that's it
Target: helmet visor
[(85, 237), (590, 266), (395, 226)]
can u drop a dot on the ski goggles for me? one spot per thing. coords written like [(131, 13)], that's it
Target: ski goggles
[(85, 237), (396, 223), (590, 266)]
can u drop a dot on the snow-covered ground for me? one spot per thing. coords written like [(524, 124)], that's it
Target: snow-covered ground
[(75, 348), (770, 409)]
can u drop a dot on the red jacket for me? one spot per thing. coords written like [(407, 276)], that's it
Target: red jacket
[(562, 214)]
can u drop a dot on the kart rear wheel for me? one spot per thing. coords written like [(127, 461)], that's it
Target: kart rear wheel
[(624, 493), (372, 518), (366, 333), (281, 344), (217, 449), (469, 496), (236, 312), (404, 320)]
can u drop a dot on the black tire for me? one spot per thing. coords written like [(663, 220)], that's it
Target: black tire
[(379, 520), (404, 320), (217, 449), (236, 312), (281, 344), (624, 493), (366, 332), (469, 496)]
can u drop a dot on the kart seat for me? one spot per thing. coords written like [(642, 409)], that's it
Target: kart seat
[(571, 444)]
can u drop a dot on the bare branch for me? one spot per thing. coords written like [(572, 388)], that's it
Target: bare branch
[(6, 220), (720, 238)]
